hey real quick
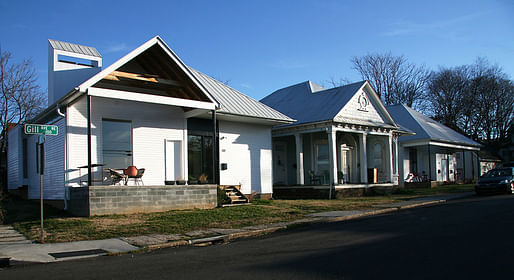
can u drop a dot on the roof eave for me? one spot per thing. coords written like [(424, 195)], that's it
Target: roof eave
[(282, 121)]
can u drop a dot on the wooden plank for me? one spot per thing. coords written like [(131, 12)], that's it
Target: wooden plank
[(116, 75)]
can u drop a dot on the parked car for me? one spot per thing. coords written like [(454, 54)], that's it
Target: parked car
[(496, 180)]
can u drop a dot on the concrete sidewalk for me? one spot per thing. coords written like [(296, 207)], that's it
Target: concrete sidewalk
[(44, 253)]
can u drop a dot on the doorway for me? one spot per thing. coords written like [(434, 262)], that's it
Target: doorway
[(279, 163), (173, 159)]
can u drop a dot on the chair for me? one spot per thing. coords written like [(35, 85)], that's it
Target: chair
[(314, 178), (137, 177), (116, 177)]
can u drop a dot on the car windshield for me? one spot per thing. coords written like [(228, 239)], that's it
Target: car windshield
[(503, 172)]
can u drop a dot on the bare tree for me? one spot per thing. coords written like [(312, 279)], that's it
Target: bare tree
[(393, 77), (446, 94), (477, 100), (21, 98)]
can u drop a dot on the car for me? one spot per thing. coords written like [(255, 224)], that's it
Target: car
[(496, 180)]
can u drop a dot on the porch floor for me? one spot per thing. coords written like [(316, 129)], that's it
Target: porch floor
[(339, 186)]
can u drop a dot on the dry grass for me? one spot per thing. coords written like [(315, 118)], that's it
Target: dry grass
[(24, 216)]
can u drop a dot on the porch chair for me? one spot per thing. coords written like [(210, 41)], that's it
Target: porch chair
[(315, 179), (116, 177), (138, 177)]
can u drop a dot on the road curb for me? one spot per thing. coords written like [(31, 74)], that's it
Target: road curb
[(258, 232)]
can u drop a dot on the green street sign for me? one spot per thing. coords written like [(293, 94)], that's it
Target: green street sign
[(41, 129)]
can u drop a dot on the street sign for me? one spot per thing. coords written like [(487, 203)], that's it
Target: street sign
[(41, 129)]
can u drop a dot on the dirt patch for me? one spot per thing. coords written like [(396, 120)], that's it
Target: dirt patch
[(109, 223)]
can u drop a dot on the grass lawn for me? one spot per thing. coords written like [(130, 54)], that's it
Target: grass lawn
[(59, 227)]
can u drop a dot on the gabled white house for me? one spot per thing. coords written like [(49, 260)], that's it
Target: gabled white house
[(343, 138), (147, 109), (436, 152)]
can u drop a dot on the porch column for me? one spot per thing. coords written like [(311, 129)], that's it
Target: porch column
[(363, 158), (300, 180), (396, 164), (215, 164), (89, 156), (332, 157), (185, 163), (390, 155)]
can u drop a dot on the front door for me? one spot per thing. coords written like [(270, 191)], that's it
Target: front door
[(444, 170), (345, 164), (279, 163), (173, 160)]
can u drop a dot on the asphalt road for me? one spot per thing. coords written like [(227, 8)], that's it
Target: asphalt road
[(467, 239)]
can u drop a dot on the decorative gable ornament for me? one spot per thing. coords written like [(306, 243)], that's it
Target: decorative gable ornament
[(363, 102)]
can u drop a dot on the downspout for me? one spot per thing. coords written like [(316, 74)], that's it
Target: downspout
[(214, 149), (430, 166), (66, 191)]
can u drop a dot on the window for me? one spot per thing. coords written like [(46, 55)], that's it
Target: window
[(413, 161), (117, 143), (378, 156), (322, 162), (199, 156)]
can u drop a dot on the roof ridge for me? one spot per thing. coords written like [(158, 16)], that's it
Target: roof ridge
[(74, 48), (297, 84), (342, 86)]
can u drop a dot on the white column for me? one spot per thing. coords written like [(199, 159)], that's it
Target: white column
[(396, 156), (185, 164), (332, 156), (390, 156), (363, 158), (300, 180)]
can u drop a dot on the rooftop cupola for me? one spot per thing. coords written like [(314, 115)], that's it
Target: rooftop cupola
[(69, 65)]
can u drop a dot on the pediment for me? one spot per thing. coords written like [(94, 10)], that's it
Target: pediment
[(364, 106)]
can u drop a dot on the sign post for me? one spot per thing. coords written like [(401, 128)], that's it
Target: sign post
[(41, 171), (42, 131)]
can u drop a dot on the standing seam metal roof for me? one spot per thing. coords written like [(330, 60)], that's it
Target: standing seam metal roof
[(234, 102), (74, 48), (308, 102), (425, 127)]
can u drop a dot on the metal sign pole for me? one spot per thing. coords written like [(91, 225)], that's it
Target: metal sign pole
[(41, 170), (41, 130)]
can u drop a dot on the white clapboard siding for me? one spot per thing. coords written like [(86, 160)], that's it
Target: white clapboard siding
[(152, 124), (53, 178), (14, 159), (246, 149)]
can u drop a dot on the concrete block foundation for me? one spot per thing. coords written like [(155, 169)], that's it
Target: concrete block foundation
[(105, 200)]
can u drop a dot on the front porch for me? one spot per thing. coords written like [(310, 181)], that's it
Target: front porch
[(335, 155)]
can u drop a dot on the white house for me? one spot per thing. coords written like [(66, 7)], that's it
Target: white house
[(436, 152), (150, 110), (343, 138)]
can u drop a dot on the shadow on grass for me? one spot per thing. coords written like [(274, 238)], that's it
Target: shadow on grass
[(16, 210)]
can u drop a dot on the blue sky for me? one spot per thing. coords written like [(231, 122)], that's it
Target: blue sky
[(261, 46)]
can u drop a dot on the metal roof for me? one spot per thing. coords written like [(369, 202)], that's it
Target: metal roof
[(236, 103), (74, 48), (230, 101), (309, 102), (425, 127)]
